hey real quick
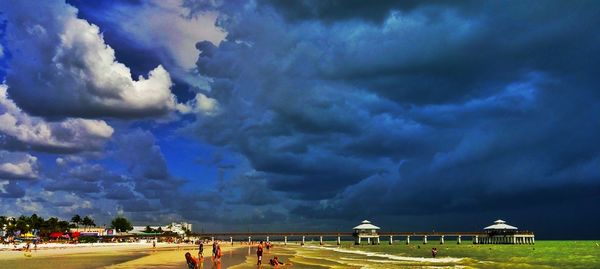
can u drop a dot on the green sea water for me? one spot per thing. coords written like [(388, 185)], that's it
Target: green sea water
[(544, 254)]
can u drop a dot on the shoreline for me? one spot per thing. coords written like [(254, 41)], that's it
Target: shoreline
[(545, 254)]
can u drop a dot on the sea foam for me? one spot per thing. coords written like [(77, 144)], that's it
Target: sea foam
[(391, 256)]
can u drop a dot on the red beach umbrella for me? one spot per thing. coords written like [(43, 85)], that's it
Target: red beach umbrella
[(56, 234), (75, 234)]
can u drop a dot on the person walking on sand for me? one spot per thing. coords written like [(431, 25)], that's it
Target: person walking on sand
[(201, 251), (259, 253), (191, 262), (218, 254)]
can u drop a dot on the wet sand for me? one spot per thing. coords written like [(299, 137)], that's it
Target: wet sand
[(115, 257)]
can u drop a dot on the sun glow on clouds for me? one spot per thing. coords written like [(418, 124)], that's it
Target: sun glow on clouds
[(77, 69)]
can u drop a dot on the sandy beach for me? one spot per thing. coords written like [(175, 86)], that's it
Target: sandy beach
[(545, 254), (112, 255)]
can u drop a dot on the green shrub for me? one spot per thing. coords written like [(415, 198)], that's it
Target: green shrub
[(88, 239)]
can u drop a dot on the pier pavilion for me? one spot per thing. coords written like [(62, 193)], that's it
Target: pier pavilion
[(502, 233), (366, 230)]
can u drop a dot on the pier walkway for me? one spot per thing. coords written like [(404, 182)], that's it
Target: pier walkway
[(521, 237)]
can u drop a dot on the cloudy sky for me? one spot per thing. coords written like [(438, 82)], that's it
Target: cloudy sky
[(310, 114)]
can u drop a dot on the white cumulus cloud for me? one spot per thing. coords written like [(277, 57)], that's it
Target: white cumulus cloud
[(72, 134), (17, 165), (63, 67)]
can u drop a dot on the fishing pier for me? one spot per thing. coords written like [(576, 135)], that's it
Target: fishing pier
[(366, 234)]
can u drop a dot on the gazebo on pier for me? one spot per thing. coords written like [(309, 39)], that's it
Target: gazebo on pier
[(502, 233), (366, 230)]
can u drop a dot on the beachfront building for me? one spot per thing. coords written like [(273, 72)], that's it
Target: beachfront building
[(502, 233), (94, 231), (178, 228), (367, 231)]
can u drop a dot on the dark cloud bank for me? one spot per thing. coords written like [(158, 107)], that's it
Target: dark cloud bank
[(396, 110), (445, 115)]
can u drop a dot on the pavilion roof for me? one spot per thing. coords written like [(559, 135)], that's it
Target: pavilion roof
[(500, 225), (366, 225)]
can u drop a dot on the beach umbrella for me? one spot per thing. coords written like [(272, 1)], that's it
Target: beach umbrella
[(75, 234), (56, 234)]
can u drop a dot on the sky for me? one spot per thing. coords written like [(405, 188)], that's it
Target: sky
[(265, 115)]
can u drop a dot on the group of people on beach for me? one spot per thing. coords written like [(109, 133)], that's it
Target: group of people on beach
[(275, 262), (194, 263)]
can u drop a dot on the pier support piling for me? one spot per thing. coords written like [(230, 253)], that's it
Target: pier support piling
[(267, 238), (424, 240), (231, 240), (285, 240), (441, 240), (320, 240), (408, 239), (303, 238), (249, 240), (458, 240), (339, 241), (391, 240)]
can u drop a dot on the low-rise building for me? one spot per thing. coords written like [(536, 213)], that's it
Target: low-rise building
[(178, 228)]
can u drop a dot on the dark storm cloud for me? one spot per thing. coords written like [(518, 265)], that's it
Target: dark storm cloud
[(333, 10), (150, 185), (432, 109), (93, 172), (76, 186), (142, 156), (118, 191), (138, 205)]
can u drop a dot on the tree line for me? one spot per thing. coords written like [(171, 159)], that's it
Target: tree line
[(26, 224)]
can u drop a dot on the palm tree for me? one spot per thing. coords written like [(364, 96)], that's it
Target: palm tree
[(88, 222), (76, 219)]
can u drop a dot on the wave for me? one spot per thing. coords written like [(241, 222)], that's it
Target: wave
[(392, 256)]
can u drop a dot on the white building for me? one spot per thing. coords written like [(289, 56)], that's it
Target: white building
[(502, 233), (366, 230), (178, 228)]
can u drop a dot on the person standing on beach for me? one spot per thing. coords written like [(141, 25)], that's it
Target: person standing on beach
[(434, 252), (218, 254), (214, 250), (201, 251), (259, 253)]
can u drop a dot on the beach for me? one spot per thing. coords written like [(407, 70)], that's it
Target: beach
[(110, 255), (544, 254)]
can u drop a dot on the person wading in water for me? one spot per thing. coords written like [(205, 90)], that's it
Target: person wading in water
[(259, 253)]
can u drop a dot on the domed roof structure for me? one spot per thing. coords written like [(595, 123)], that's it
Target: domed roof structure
[(366, 225), (500, 225)]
